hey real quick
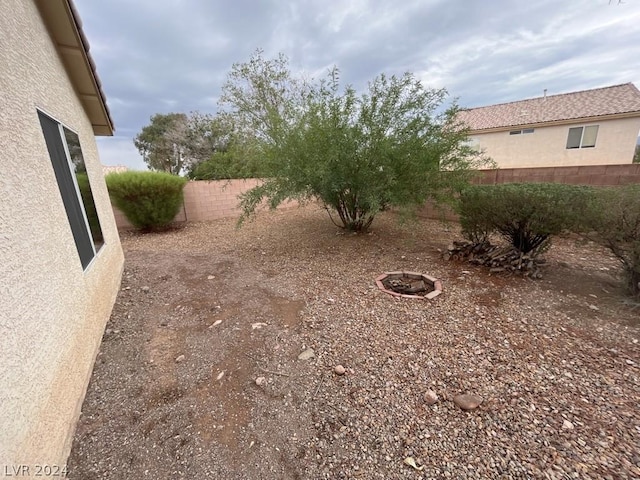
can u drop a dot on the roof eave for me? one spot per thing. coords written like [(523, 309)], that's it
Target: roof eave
[(65, 27), (567, 121)]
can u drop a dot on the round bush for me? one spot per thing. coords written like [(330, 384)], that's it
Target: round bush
[(149, 200), (526, 215)]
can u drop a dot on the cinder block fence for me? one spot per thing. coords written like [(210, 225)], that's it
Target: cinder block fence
[(594, 175), (207, 200), (210, 200)]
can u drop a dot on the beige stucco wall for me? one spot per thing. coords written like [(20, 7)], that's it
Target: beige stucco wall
[(546, 146), (52, 313)]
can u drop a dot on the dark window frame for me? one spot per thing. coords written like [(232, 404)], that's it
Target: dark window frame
[(87, 243)]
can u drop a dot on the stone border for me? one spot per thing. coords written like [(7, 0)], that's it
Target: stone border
[(428, 279)]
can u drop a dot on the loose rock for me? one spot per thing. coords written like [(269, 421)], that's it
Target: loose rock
[(567, 425), (180, 358), (468, 402), (339, 369), (260, 381), (307, 354), (145, 289), (430, 397)]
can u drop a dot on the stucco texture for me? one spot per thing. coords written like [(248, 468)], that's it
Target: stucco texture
[(546, 146), (52, 313)]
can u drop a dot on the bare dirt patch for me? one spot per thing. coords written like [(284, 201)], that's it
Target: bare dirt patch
[(206, 311)]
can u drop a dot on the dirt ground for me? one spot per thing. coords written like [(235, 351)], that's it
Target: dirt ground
[(198, 374)]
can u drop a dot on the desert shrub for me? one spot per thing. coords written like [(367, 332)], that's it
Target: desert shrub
[(525, 215), (224, 166), (149, 200), (395, 145), (613, 220)]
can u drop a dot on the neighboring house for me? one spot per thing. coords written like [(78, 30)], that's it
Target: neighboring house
[(60, 256), (591, 127)]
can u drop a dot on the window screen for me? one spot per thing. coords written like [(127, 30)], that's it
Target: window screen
[(589, 136)]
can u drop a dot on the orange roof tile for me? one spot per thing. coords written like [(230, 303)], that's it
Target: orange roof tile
[(614, 100)]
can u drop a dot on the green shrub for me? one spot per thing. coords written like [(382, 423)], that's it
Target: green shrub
[(614, 221), (149, 200), (224, 166), (526, 215)]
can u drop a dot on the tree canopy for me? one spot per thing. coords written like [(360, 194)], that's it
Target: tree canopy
[(176, 141), (397, 144), (162, 142)]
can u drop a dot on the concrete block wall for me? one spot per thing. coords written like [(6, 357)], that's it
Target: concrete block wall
[(582, 175), (207, 200), (595, 175)]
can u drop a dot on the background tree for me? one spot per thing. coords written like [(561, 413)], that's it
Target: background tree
[(162, 143), (636, 156), (357, 154)]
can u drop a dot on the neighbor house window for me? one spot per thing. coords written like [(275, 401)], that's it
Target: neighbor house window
[(518, 132), (582, 137), (71, 173)]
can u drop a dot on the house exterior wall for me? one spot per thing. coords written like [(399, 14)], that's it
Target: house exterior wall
[(52, 313), (546, 146)]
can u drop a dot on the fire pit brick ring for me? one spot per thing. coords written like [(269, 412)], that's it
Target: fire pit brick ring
[(409, 285)]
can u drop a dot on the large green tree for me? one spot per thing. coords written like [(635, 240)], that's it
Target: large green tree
[(177, 141), (397, 144), (162, 143)]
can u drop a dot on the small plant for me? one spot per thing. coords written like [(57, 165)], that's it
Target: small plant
[(613, 220), (525, 215), (149, 200)]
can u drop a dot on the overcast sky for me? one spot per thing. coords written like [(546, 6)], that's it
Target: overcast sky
[(173, 55)]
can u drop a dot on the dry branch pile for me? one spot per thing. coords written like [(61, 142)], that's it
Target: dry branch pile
[(498, 258)]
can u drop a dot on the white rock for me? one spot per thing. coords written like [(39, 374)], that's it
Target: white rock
[(215, 324), (145, 289), (260, 381), (220, 375), (339, 369), (211, 277), (180, 358), (307, 354), (567, 425)]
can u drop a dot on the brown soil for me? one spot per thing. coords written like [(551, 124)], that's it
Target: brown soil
[(207, 310)]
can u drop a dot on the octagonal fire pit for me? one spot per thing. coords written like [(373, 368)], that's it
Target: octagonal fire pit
[(409, 285)]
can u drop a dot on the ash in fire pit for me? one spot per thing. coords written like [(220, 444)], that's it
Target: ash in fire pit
[(409, 285), (405, 286)]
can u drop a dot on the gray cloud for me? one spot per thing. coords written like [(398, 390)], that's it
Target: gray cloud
[(174, 55)]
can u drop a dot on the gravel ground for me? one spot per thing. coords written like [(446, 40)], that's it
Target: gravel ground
[(198, 375)]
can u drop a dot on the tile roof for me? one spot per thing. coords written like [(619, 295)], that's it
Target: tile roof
[(617, 99), (65, 27)]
